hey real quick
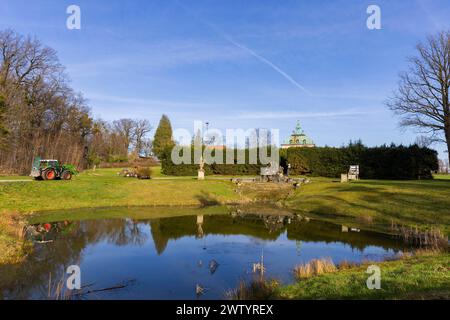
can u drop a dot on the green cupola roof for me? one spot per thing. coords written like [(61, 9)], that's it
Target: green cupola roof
[(298, 137)]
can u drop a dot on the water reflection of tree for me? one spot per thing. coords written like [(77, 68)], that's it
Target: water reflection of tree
[(318, 231), (160, 240), (19, 281), (265, 228), (166, 229), (128, 232)]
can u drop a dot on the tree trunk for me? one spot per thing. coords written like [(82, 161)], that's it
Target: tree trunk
[(447, 139), (448, 150)]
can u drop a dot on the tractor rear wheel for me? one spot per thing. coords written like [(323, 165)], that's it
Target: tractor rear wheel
[(49, 174), (66, 175)]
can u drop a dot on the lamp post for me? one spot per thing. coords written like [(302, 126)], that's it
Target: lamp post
[(206, 133)]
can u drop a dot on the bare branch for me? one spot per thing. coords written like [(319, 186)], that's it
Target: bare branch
[(422, 98)]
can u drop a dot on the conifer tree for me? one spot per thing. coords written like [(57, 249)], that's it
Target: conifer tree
[(163, 137)]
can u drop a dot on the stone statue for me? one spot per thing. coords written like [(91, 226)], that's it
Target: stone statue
[(202, 163), (201, 170)]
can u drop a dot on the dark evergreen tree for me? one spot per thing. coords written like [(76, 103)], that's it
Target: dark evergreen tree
[(163, 140)]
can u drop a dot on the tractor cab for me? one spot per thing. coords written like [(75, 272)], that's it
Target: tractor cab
[(44, 164), (50, 169)]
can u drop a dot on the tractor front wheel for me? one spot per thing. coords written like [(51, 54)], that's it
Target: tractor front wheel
[(49, 174), (66, 175)]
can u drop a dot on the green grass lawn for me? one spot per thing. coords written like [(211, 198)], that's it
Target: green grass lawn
[(376, 204), (442, 176), (372, 202), (423, 203), (2, 178), (419, 277), (104, 188)]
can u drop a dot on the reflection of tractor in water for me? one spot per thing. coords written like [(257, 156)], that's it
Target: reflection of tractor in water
[(48, 232), (51, 170)]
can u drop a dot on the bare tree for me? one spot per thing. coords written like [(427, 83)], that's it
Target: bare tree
[(422, 99), (41, 113), (3, 130), (125, 129), (424, 141), (141, 128), (147, 147), (443, 166)]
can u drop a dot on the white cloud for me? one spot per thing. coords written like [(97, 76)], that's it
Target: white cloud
[(165, 54), (128, 102), (301, 115)]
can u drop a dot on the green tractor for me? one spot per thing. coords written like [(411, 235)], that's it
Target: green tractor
[(51, 170)]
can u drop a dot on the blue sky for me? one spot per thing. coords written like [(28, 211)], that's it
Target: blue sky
[(239, 64)]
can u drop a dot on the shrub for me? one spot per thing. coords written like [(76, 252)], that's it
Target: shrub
[(399, 162), (117, 158), (384, 162), (256, 289), (169, 168), (345, 265), (314, 268), (149, 162), (144, 172)]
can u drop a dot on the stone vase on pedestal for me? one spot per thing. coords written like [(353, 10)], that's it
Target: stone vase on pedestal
[(201, 175)]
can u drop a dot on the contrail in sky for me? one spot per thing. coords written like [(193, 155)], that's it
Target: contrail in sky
[(266, 61), (250, 51)]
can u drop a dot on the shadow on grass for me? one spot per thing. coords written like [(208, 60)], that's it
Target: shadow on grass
[(411, 184), (420, 203), (206, 199)]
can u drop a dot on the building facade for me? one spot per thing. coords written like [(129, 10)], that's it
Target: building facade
[(298, 139)]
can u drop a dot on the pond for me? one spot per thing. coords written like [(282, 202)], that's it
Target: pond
[(168, 258)]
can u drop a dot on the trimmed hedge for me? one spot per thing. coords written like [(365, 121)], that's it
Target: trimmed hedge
[(219, 169), (384, 162), (168, 168)]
